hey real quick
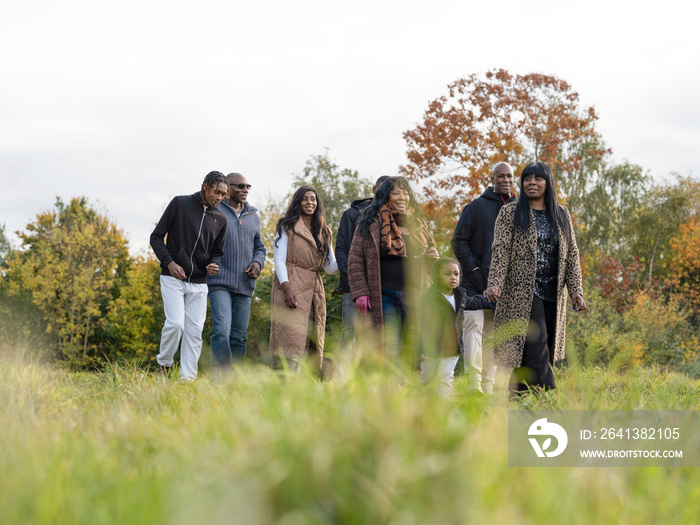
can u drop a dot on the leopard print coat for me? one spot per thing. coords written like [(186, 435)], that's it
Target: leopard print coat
[(513, 267)]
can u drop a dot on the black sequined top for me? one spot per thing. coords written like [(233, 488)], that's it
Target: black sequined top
[(547, 259)]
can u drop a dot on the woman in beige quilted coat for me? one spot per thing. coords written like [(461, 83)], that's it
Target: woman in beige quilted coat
[(302, 247), (534, 266)]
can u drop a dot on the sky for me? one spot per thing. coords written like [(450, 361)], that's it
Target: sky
[(130, 103)]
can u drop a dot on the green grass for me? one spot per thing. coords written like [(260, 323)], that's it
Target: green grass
[(127, 446)]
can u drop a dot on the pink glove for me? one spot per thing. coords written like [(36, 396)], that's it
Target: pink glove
[(362, 304)]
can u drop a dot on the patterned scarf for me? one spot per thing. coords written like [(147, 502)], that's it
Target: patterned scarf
[(390, 238)]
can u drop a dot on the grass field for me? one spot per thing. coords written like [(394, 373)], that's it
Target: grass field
[(127, 446)]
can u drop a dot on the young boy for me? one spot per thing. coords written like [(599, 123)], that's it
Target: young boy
[(441, 333)]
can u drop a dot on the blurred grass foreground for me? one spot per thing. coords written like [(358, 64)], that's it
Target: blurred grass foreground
[(129, 446)]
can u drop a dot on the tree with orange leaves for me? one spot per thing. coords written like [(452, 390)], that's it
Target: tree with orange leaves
[(500, 117), (685, 265)]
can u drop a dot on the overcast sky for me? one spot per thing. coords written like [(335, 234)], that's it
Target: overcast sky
[(130, 103)]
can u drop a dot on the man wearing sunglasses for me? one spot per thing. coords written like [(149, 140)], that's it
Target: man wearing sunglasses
[(231, 290)]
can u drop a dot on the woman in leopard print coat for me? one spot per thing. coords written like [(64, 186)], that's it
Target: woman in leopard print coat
[(534, 265)]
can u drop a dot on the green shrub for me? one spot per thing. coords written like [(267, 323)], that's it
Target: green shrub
[(652, 329)]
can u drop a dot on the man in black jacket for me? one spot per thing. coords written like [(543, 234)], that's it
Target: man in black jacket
[(196, 233), (348, 221), (471, 243)]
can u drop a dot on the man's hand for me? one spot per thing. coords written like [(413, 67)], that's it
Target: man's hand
[(289, 298), (492, 294), (212, 268), (176, 270), (579, 303), (253, 270)]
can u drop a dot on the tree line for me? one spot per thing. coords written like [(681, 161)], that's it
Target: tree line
[(73, 288)]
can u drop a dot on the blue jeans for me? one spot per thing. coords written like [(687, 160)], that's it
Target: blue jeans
[(394, 316), (230, 313)]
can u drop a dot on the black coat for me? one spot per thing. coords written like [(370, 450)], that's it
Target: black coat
[(441, 326), (348, 221), (196, 236), (473, 237)]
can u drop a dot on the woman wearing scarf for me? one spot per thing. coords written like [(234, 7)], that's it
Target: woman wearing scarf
[(390, 233)]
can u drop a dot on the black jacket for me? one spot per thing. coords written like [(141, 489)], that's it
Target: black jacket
[(348, 221), (473, 237), (441, 329), (196, 236)]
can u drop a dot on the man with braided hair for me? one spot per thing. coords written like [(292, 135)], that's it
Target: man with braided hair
[(196, 234)]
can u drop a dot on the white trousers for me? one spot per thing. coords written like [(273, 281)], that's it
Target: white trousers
[(439, 372), (185, 306), (477, 335)]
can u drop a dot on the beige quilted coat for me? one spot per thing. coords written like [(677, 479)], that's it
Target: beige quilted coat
[(289, 326), (513, 267)]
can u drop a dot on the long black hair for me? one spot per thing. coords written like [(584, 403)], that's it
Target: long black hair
[(319, 229), (553, 211), (381, 197)]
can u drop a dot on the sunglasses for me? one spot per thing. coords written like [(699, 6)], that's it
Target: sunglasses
[(242, 186)]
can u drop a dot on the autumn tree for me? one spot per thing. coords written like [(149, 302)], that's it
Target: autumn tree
[(131, 326), (20, 325), (685, 261), (607, 205), (495, 117), (662, 211), (69, 262)]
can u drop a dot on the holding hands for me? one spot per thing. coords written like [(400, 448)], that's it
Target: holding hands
[(492, 294)]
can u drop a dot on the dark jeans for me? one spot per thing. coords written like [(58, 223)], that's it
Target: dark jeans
[(536, 367), (230, 313), (394, 317)]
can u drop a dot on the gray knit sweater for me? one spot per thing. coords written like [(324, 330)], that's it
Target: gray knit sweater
[(243, 246)]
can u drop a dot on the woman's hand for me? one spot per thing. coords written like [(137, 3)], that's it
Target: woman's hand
[(579, 303), (362, 304), (289, 298), (492, 294), (432, 252)]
